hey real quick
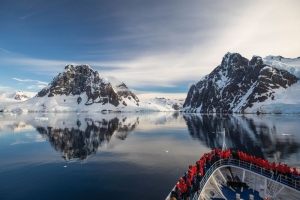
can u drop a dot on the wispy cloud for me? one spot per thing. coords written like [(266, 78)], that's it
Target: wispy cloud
[(30, 80), (38, 84), (6, 51), (29, 15), (53, 67), (19, 142), (36, 66)]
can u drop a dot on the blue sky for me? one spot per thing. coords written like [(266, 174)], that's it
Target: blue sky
[(152, 46)]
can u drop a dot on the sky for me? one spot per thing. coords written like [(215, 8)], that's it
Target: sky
[(157, 48)]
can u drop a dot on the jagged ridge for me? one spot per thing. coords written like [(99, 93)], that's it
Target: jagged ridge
[(82, 79), (235, 85)]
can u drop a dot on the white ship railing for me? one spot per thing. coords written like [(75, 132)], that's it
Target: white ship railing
[(283, 179)]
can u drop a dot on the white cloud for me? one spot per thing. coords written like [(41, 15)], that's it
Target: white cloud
[(30, 80), (26, 16), (37, 66), (18, 142), (38, 84)]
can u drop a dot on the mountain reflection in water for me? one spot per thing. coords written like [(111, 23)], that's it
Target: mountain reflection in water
[(82, 141), (263, 136), (143, 150)]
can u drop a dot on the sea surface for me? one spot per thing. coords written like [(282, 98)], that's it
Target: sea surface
[(127, 156)]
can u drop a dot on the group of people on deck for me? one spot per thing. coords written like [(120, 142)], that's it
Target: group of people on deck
[(274, 169), (189, 184)]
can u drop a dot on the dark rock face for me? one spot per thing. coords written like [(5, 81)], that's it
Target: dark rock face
[(124, 92), (235, 85), (81, 79), (177, 106), (21, 96)]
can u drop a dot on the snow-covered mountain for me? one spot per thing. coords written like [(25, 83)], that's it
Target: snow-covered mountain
[(289, 64), (248, 86), (175, 104), (85, 83), (80, 89), (123, 90), (16, 95)]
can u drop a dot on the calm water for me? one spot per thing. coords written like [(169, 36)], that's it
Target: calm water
[(123, 156)]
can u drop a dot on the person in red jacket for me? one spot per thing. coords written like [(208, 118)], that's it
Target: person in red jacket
[(295, 172), (210, 157), (251, 159), (274, 168), (247, 158), (227, 154), (191, 175), (201, 169), (242, 156), (221, 154), (262, 161), (288, 172), (194, 169), (183, 187), (204, 158), (188, 182), (280, 169), (267, 166), (239, 155)]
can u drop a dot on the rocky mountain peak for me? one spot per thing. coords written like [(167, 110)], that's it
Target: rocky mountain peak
[(236, 85), (122, 89), (83, 80), (232, 60), (73, 66), (256, 60)]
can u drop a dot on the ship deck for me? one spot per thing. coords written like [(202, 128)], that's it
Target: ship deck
[(226, 179), (245, 194), (259, 183)]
